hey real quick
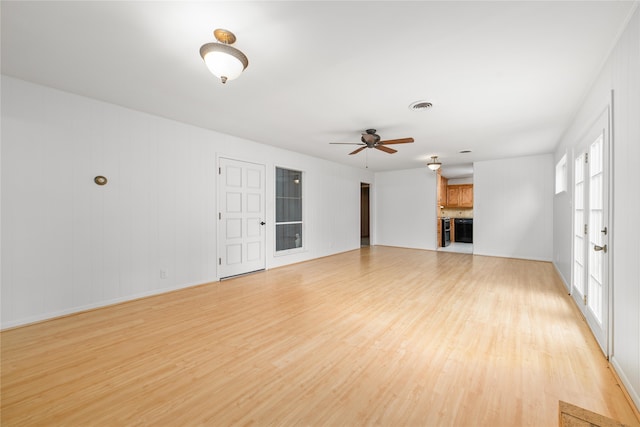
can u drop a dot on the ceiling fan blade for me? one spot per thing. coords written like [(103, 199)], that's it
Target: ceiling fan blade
[(358, 150), (386, 149), (347, 143), (396, 141)]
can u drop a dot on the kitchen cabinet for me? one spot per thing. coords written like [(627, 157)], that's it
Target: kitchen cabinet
[(466, 196), (460, 196), (452, 227), (453, 196), (442, 190)]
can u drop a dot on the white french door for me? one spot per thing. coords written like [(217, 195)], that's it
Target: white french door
[(241, 217), (590, 282)]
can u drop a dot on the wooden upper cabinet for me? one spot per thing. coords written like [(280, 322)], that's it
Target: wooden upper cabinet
[(453, 196), (442, 190), (460, 196), (466, 196)]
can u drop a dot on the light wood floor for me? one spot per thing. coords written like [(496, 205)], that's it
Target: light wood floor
[(379, 336)]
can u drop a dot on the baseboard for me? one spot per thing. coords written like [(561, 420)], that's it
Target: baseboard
[(564, 279), (629, 393), (510, 256), (94, 306)]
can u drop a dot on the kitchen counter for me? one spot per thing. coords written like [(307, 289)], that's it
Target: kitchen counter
[(456, 213)]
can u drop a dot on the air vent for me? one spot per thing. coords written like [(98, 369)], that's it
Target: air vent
[(420, 106), (464, 151)]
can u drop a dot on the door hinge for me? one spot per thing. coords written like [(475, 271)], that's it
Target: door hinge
[(584, 298), (586, 157), (219, 261), (586, 229), (219, 171), (219, 215)]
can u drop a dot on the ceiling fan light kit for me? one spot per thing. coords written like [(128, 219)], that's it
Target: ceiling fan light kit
[(223, 60), (434, 164)]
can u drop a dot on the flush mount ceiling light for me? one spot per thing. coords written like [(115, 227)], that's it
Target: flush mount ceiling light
[(434, 164), (223, 60)]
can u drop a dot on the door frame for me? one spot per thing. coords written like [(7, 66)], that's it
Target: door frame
[(365, 215), (604, 117), (219, 231)]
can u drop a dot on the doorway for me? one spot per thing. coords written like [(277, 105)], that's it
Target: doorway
[(454, 199), (365, 216), (241, 217), (590, 275)]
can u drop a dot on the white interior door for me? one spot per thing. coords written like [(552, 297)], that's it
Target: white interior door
[(590, 284), (241, 217)]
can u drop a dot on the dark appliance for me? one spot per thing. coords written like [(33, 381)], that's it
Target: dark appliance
[(463, 230), (446, 231)]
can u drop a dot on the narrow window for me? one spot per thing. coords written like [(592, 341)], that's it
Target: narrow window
[(288, 209), (561, 175)]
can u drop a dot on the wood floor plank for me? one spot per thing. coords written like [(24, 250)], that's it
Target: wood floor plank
[(378, 336)]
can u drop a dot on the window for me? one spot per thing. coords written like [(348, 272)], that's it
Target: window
[(288, 209), (561, 175)]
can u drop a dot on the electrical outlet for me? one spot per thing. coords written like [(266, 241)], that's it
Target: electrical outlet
[(163, 274)]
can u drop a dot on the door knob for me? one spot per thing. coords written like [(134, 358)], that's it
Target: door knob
[(262, 223), (600, 248)]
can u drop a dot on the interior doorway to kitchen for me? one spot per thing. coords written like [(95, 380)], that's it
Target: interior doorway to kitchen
[(455, 208)]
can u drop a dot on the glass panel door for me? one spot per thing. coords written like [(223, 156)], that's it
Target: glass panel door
[(589, 285), (579, 229), (596, 227)]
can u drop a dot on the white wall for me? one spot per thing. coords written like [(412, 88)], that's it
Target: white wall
[(513, 207), (457, 181), (406, 208), (69, 245), (620, 74), (513, 201)]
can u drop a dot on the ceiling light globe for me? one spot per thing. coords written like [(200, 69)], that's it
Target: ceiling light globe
[(434, 164), (224, 61)]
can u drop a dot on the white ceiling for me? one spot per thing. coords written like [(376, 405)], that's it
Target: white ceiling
[(505, 78)]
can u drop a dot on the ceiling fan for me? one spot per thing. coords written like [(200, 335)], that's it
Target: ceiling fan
[(370, 139)]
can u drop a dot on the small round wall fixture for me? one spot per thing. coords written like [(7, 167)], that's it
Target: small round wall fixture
[(223, 60), (100, 180)]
